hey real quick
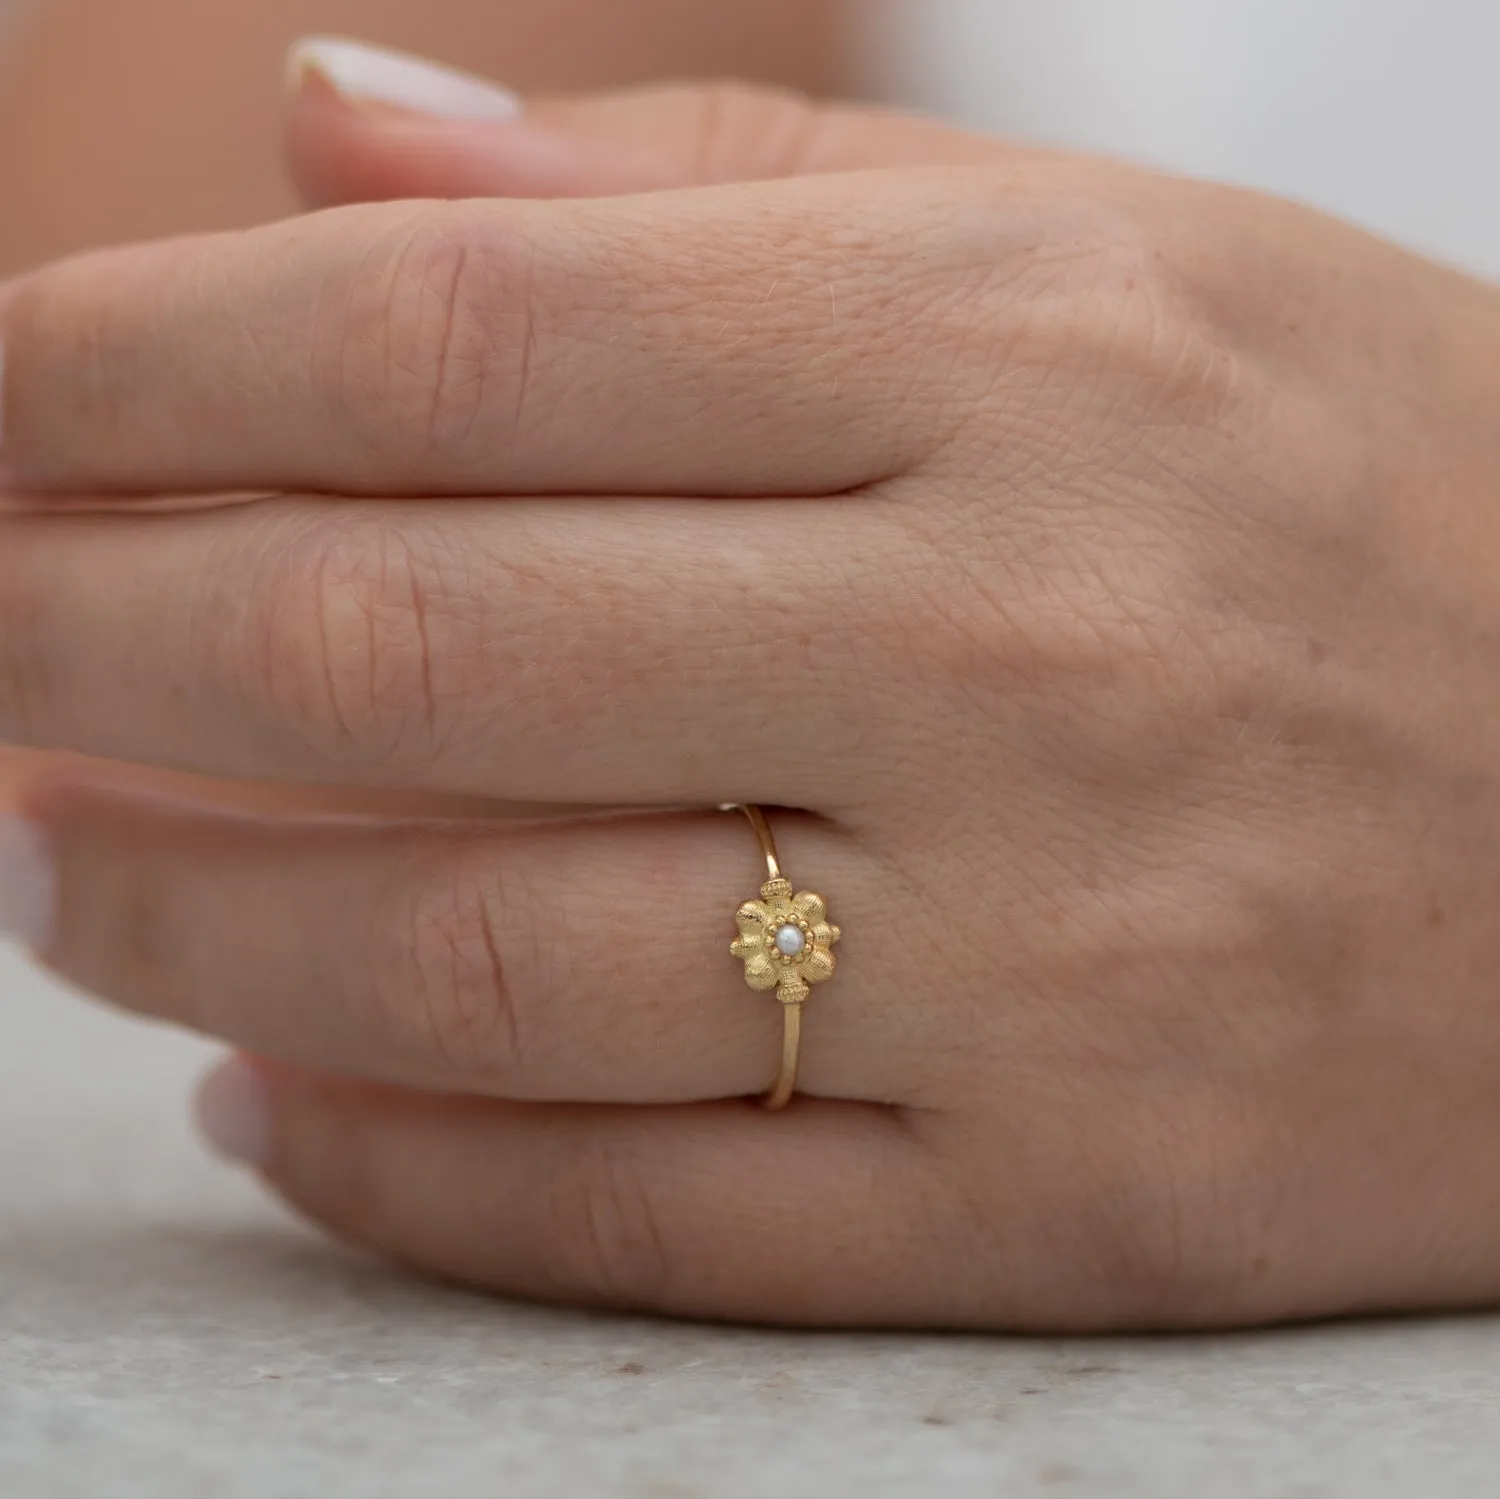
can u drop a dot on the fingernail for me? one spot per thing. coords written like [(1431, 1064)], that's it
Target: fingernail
[(232, 1112), (27, 883), (379, 75)]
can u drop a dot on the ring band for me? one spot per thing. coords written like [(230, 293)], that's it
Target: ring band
[(786, 943)]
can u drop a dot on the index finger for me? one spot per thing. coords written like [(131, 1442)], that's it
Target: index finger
[(735, 340)]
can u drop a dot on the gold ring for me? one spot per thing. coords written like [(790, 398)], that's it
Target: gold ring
[(786, 944)]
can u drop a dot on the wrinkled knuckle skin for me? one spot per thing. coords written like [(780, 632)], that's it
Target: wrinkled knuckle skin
[(356, 638), (434, 331), (1116, 406), (602, 1241), (1060, 292), (1132, 332), (449, 1002), (1073, 336)]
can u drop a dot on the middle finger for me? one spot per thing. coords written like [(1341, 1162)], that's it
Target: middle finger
[(599, 652)]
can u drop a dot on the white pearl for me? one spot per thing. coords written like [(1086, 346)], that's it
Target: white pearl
[(790, 941)]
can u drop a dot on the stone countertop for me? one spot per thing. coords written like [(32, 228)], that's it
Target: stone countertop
[(167, 1333)]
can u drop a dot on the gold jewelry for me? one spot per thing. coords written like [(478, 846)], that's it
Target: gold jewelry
[(786, 944)]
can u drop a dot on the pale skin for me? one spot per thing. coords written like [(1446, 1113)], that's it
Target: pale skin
[(147, 118), (1099, 567)]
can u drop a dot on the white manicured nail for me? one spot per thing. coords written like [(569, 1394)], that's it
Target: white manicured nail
[(382, 76), (27, 883), (233, 1114)]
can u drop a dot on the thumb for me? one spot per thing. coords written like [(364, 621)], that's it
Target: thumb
[(368, 124)]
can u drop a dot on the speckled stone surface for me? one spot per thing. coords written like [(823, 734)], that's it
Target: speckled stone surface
[(165, 1333)]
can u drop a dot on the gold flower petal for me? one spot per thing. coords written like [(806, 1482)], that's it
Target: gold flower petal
[(752, 917), (747, 947), (818, 965), (825, 935), (761, 973), (811, 908)]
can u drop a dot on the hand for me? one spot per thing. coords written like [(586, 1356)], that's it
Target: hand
[(1101, 565)]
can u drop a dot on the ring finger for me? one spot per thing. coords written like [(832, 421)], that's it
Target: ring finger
[(582, 962)]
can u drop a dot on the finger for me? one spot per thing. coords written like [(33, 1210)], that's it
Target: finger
[(583, 962), (364, 127), (827, 1215), (550, 651), (696, 343), (22, 770)]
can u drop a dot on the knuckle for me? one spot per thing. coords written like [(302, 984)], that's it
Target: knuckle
[(1086, 285), (1076, 618), (349, 632), (1125, 386), (1070, 306), (603, 1235), (434, 329), (1136, 326), (449, 1001)]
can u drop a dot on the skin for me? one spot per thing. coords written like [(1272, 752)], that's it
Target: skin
[(130, 121), (1099, 567)]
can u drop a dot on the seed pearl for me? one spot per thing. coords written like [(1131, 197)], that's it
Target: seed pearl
[(790, 941)]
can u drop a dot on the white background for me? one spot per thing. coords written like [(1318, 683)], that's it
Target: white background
[(1386, 111)]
